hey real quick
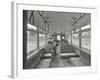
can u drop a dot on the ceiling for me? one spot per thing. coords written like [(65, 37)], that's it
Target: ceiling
[(60, 21)]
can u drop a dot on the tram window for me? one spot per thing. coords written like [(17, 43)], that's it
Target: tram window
[(75, 39), (58, 37), (42, 39), (69, 39), (31, 41), (86, 40)]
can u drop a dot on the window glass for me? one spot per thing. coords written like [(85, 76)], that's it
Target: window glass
[(42, 39), (58, 38), (69, 38), (75, 39), (86, 39), (31, 41)]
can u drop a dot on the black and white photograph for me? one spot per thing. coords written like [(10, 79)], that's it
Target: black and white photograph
[(50, 40), (54, 39)]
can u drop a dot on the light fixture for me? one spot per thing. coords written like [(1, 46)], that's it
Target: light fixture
[(31, 26), (85, 27)]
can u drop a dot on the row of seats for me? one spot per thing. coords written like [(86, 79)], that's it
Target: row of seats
[(66, 47), (67, 51)]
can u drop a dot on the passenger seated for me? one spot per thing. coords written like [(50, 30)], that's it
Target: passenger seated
[(53, 46)]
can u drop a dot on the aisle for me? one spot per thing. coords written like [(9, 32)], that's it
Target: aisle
[(57, 61)]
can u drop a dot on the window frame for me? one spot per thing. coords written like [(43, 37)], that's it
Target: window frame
[(80, 32)]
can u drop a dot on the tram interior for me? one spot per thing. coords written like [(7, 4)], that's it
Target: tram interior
[(56, 39)]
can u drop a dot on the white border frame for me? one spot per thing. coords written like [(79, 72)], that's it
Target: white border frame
[(17, 51)]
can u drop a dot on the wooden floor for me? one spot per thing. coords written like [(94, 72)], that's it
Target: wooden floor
[(57, 61)]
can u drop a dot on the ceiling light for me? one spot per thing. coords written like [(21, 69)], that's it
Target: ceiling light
[(31, 27)]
